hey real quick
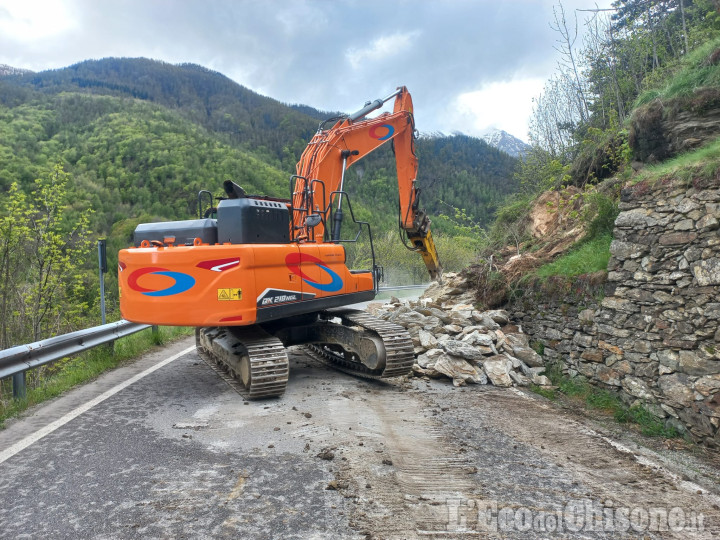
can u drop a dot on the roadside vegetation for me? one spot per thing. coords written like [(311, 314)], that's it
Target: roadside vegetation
[(578, 392), (594, 128), (698, 69), (590, 256), (701, 163)]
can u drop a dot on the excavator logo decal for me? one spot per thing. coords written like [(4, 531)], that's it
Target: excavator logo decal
[(219, 265), (293, 261), (373, 132), (183, 282)]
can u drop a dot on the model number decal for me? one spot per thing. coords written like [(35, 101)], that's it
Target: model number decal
[(271, 297), (279, 299)]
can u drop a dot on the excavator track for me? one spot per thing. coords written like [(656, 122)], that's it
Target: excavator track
[(255, 359), (399, 355)]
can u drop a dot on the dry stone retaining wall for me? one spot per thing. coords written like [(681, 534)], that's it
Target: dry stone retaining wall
[(651, 329)]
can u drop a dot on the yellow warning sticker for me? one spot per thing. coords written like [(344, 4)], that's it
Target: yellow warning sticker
[(229, 294)]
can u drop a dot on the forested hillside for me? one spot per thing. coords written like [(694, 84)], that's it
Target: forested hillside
[(91, 150), (204, 97), (455, 172), (127, 158)]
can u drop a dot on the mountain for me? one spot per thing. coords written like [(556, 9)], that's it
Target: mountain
[(208, 98), (507, 143), (456, 173)]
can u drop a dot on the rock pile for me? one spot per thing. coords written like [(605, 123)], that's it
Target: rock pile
[(453, 339)]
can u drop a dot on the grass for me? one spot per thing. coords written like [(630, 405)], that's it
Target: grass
[(702, 162), (694, 72), (506, 229), (589, 256), (514, 208), (580, 391), (547, 393), (649, 424), (50, 381)]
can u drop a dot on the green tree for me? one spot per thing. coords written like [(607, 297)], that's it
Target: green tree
[(14, 235), (59, 244), (45, 245)]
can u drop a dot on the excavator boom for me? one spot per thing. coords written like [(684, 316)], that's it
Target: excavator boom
[(352, 137)]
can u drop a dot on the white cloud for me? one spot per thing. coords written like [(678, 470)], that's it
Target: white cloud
[(30, 20), (470, 64), (504, 105), (381, 48), (294, 16)]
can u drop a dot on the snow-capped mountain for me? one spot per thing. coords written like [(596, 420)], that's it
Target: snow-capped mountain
[(507, 143)]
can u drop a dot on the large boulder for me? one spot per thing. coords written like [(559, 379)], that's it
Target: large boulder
[(498, 369), (500, 316), (428, 359), (459, 369), (427, 340), (462, 349), (519, 348)]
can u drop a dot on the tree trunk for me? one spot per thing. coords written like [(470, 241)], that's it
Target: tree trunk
[(682, 15)]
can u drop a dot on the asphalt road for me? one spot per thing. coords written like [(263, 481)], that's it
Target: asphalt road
[(178, 453)]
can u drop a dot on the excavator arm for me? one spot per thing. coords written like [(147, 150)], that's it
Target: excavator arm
[(322, 166)]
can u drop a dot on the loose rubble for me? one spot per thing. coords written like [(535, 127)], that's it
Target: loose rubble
[(453, 339)]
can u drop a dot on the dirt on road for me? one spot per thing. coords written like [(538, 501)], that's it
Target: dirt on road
[(181, 453), (421, 458)]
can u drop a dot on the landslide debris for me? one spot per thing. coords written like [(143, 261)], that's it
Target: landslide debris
[(553, 224), (454, 340)]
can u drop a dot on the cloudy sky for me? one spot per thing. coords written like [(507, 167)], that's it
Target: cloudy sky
[(470, 64)]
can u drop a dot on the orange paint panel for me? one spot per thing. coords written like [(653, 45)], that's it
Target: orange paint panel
[(274, 283), (184, 286), (179, 286)]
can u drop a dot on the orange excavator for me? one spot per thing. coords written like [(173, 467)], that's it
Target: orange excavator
[(256, 274)]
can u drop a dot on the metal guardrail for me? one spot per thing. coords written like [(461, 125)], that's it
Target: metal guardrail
[(403, 287), (15, 361)]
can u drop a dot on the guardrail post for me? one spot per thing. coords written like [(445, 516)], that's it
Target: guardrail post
[(102, 263), (18, 382), (155, 332)]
